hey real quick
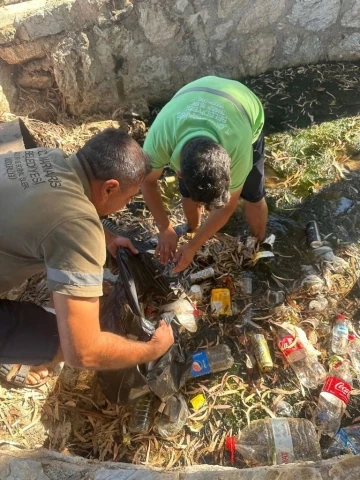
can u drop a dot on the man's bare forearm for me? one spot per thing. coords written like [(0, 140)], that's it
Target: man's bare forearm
[(112, 352), (152, 197), (216, 220)]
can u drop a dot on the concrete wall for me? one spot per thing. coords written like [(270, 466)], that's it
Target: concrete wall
[(45, 465), (101, 54)]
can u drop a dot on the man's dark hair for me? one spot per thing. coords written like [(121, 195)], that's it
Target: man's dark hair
[(113, 154), (205, 169)]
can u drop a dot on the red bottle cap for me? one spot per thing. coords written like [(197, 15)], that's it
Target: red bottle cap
[(352, 336), (230, 446), (340, 317)]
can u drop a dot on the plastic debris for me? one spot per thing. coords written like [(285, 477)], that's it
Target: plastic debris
[(198, 401), (221, 301), (212, 360), (268, 243), (173, 418), (276, 441), (184, 311)]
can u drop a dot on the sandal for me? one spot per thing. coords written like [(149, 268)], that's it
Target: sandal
[(18, 380)]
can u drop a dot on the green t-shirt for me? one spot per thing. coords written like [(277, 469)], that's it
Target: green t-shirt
[(198, 114)]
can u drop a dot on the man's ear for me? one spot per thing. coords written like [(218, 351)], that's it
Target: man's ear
[(110, 187)]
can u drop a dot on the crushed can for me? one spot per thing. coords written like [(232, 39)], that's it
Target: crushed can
[(202, 275), (261, 352), (221, 301), (313, 234)]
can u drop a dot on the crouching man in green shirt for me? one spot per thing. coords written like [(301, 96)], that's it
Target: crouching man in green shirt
[(211, 135)]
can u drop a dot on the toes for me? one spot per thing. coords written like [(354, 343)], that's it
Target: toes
[(33, 379), (40, 371)]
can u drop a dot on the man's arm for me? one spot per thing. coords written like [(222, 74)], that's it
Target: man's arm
[(216, 220), (256, 215), (85, 346), (167, 236)]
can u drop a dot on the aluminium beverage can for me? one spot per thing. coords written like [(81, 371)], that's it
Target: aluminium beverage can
[(313, 234), (202, 275), (262, 352)]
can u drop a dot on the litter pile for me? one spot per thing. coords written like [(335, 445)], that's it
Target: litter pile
[(285, 333), (264, 333), (254, 350)]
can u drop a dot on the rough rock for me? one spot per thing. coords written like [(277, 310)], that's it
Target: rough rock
[(257, 16), (42, 18), (8, 91), (346, 49), (157, 28), (180, 5), (36, 74), (311, 49), (315, 15), (23, 52), (80, 77), (110, 54), (227, 8), (222, 30), (44, 465), (257, 56), (290, 44), (351, 18)]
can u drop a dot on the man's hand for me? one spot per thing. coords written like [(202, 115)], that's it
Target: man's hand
[(184, 256), (162, 339), (167, 244), (84, 345), (120, 242)]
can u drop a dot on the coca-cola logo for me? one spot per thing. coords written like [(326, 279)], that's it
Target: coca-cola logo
[(286, 342), (341, 387)]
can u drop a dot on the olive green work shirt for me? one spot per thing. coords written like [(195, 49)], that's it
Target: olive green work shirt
[(47, 221)]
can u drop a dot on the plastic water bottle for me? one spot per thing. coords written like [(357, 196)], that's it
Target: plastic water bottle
[(340, 335), (333, 399), (142, 415), (275, 441), (307, 368), (212, 360), (354, 353)]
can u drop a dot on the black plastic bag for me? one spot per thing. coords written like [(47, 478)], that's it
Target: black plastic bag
[(167, 375), (121, 314)]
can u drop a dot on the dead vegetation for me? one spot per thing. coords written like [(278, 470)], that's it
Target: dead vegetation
[(72, 415)]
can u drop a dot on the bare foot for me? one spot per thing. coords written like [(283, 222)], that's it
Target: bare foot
[(36, 374)]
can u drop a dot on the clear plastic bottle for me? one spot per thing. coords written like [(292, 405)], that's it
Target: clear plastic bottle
[(173, 418), (142, 415), (354, 353), (212, 360), (340, 335), (333, 399), (275, 441), (307, 368)]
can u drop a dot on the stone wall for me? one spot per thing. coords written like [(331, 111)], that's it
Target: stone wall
[(100, 55), (45, 465)]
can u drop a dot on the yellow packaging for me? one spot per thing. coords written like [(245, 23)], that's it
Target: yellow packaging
[(221, 301), (198, 401)]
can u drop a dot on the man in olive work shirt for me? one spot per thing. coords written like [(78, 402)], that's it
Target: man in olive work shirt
[(210, 133), (49, 217)]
